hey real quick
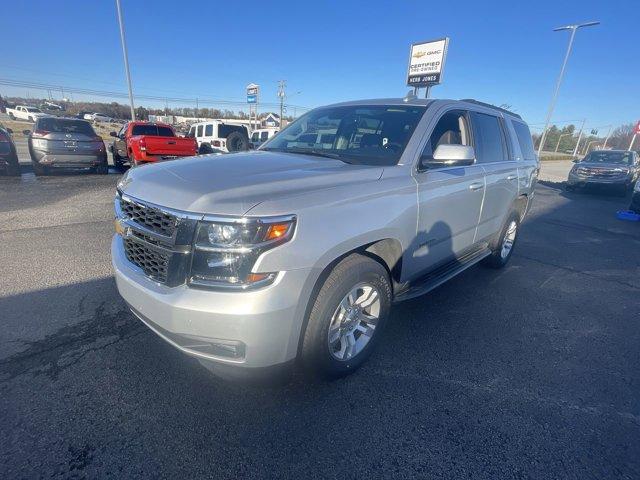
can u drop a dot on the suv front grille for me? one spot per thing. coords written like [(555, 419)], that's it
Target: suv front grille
[(149, 217), (153, 263)]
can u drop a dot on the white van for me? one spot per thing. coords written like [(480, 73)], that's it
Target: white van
[(219, 135), (261, 135)]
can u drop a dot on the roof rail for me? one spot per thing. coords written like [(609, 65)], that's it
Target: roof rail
[(503, 110)]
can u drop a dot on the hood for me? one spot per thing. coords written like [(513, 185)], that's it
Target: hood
[(232, 184)]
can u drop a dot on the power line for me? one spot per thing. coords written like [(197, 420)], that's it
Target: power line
[(122, 95)]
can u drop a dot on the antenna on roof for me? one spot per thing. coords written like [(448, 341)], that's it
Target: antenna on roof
[(410, 96)]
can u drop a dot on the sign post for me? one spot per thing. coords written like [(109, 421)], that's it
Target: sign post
[(636, 132), (426, 64), (253, 91)]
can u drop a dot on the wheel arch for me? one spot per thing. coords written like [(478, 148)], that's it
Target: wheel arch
[(386, 251)]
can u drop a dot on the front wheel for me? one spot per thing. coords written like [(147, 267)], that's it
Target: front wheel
[(347, 317), (502, 248), (39, 169)]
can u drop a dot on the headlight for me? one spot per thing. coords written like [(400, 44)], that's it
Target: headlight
[(225, 251)]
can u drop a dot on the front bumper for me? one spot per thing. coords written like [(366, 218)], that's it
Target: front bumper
[(249, 330), (580, 180)]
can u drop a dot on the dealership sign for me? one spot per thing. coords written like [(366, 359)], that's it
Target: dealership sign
[(252, 93), (426, 63)]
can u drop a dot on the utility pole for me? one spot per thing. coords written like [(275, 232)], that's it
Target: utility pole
[(552, 106), (126, 59), (608, 136), (560, 138), (575, 150), (282, 85)]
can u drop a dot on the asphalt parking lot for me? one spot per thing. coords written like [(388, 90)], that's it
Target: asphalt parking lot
[(528, 372)]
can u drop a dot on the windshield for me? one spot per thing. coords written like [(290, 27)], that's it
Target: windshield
[(623, 158), (368, 135)]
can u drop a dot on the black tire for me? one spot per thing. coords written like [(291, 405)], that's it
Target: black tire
[(13, 170), (237, 142), (498, 259), (117, 160), (570, 188), (12, 116), (205, 148), (103, 168), (316, 354), (39, 170), (31, 119)]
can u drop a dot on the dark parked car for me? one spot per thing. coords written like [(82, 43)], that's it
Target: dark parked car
[(613, 168), (66, 143), (8, 156)]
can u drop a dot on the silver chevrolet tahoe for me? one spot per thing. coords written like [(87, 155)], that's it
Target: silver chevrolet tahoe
[(295, 253)]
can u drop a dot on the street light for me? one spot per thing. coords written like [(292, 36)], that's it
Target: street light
[(573, 29), (126, 59), (586, 150)]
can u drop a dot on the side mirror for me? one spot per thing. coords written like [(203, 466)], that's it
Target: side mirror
[(26, 133), (113, 134), (575, 160), (449, 156)]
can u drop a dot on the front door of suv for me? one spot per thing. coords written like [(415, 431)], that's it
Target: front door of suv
[(449, 200)]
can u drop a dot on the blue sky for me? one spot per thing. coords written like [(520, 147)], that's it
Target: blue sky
[(500, 52)]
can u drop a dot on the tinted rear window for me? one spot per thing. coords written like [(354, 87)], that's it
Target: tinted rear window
[(165, 132), (524, 140), (59, 125), (152, 130)]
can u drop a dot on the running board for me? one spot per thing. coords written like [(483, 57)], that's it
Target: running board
[(441, 274)]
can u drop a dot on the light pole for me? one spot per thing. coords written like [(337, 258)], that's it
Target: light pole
[(574, 29), (586, 150), (126, 59), (560, 138)]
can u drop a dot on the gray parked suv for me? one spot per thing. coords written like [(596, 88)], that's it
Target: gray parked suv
[(297, 251), (58, 142)]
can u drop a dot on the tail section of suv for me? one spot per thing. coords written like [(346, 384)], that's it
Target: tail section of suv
[(296, 252), (57, 142)]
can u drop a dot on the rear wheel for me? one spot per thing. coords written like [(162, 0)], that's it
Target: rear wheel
[(502, 247), (347, 317), (13, 169), (39, 169), (103, 168), (205, 148)]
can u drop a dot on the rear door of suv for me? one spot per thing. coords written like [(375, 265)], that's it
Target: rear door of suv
[(494, 153)]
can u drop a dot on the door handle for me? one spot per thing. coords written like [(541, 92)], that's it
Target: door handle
[(476, 186), (171, 142), (511, 177)]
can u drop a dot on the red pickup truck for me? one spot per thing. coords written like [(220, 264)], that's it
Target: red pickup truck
[(142, 142)]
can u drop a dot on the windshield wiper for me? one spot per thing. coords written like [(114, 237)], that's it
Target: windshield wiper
[(305, 151)]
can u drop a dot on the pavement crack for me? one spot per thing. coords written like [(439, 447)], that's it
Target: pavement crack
[(579, 272), (53, 354)]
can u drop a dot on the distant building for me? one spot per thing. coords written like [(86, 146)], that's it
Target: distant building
[(271, 120)]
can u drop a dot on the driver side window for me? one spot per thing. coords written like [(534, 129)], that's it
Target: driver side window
[(451, 129)]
